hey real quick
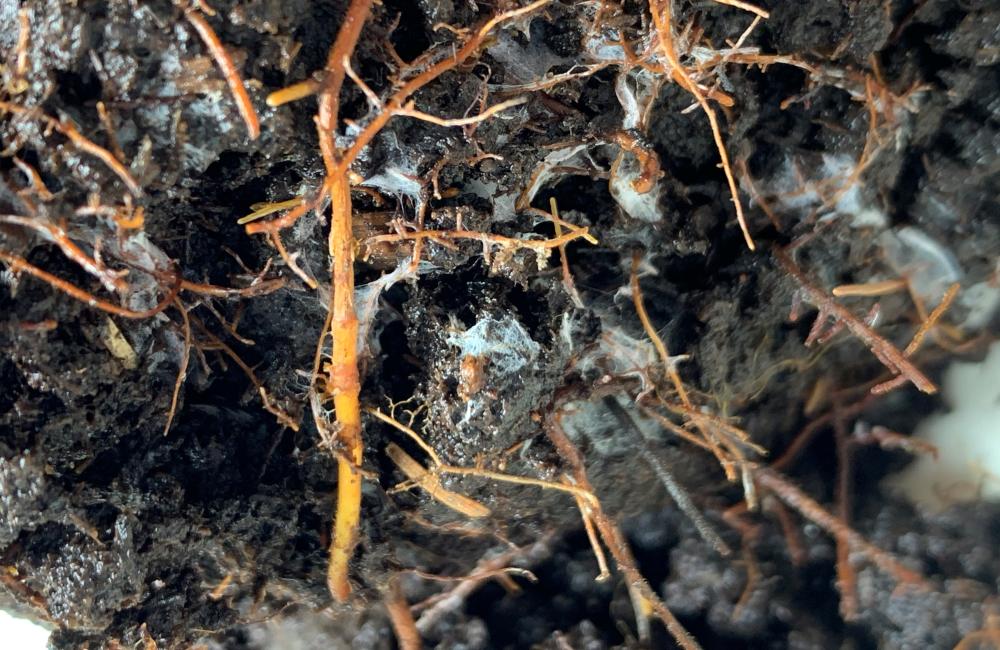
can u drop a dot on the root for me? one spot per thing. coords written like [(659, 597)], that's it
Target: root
[(542, 248), (847, 578), (182, 369), (798, 500), (723, 440), (428, 478), (343, 383), (883, 350), (407, 635), (228, 68), (568, 283), (19, 264), (679, 495), (418, 475), (81, 142), (434, 608), (112, 280), (661, 12), (614, 539)]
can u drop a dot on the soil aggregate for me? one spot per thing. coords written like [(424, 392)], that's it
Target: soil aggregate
[(215, 534)]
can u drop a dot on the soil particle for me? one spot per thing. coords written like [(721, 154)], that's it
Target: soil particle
[(217, 533)]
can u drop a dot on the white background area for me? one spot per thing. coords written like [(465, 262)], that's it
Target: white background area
[(21, 634)]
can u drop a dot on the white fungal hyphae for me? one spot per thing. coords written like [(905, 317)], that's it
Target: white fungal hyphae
[(830, 190), (929, 266), (504, 341)]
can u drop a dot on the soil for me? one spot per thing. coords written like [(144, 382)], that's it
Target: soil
[(216, 533)]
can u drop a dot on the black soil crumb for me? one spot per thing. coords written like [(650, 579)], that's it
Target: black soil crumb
[(862, 140)]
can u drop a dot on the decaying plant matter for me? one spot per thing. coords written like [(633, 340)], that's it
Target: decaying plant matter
[(511, 223)]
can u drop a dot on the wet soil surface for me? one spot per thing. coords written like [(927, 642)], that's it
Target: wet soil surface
[(871, 149)]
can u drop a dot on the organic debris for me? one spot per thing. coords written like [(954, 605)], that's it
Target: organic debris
[(470, 272)]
